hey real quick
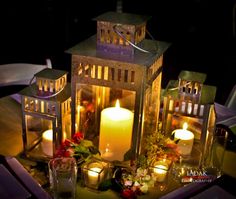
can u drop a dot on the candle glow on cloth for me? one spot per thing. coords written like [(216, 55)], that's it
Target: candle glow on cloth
[(186, 139), (116, 132), (47, 142)]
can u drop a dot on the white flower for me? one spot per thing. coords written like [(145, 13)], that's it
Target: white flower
[(144, 188), (136, 184), (128, 182), (141, 172), (146, 178)]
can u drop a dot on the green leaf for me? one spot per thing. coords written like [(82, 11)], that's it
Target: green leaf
[(86, 143), (94, 150), (105, 185), (81, 149)]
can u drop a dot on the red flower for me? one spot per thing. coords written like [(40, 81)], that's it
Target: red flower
[(90, 107), (66, 154), (67, 143), (128, 194), (78, 137)]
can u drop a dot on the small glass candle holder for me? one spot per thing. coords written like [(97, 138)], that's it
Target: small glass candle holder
[(160, 170), (63, 177), (94, 172)]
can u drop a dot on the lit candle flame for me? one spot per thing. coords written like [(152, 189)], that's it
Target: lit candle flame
[(185, 126), (117, 104)]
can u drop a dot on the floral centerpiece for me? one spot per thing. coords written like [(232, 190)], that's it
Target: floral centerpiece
[(134, 178), (131, 178), (157, 147)]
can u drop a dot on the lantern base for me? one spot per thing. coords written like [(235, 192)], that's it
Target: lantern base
[(36, 153)]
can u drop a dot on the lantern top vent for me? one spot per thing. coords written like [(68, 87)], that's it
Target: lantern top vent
[(51, 74), (192, 76), (49, 82), (32, 92), (190, 87), (87, 48), (122, 18), (120, 33)]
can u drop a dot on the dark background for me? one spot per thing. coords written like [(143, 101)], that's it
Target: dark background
[(201, 33)]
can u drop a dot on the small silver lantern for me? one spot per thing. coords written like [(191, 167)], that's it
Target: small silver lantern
[(189, 101), (46, 113), (117, 66), (94, 172)]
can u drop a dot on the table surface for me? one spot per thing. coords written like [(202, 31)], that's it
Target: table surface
[(153, 193), (10, 132)]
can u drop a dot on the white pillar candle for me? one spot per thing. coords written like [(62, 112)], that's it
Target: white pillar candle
[(116, 132), (160, 172), (186, 139), (47, 142), (93, 175)]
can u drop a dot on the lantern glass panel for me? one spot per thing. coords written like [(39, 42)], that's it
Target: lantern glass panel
[(98, 116), (66, 119), (39, 136), (151, 110)]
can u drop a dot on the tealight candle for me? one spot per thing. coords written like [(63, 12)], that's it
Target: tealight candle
[(47, 142), (160, 172), (93, 175), (186, 139)]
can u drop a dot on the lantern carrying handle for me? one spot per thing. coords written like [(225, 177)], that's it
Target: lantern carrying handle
[(175, 88), (43, 97), (131, 43)]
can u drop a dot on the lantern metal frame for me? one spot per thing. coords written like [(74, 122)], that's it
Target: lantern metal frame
[(48, 98), (103, 61)]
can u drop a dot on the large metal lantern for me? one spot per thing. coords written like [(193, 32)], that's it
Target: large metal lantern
[(46, 113), (189, 115), (116, 84)]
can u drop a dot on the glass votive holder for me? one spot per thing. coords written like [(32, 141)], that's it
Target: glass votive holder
[(214, 162), (63, 177), (94, 172), (160, 170)]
